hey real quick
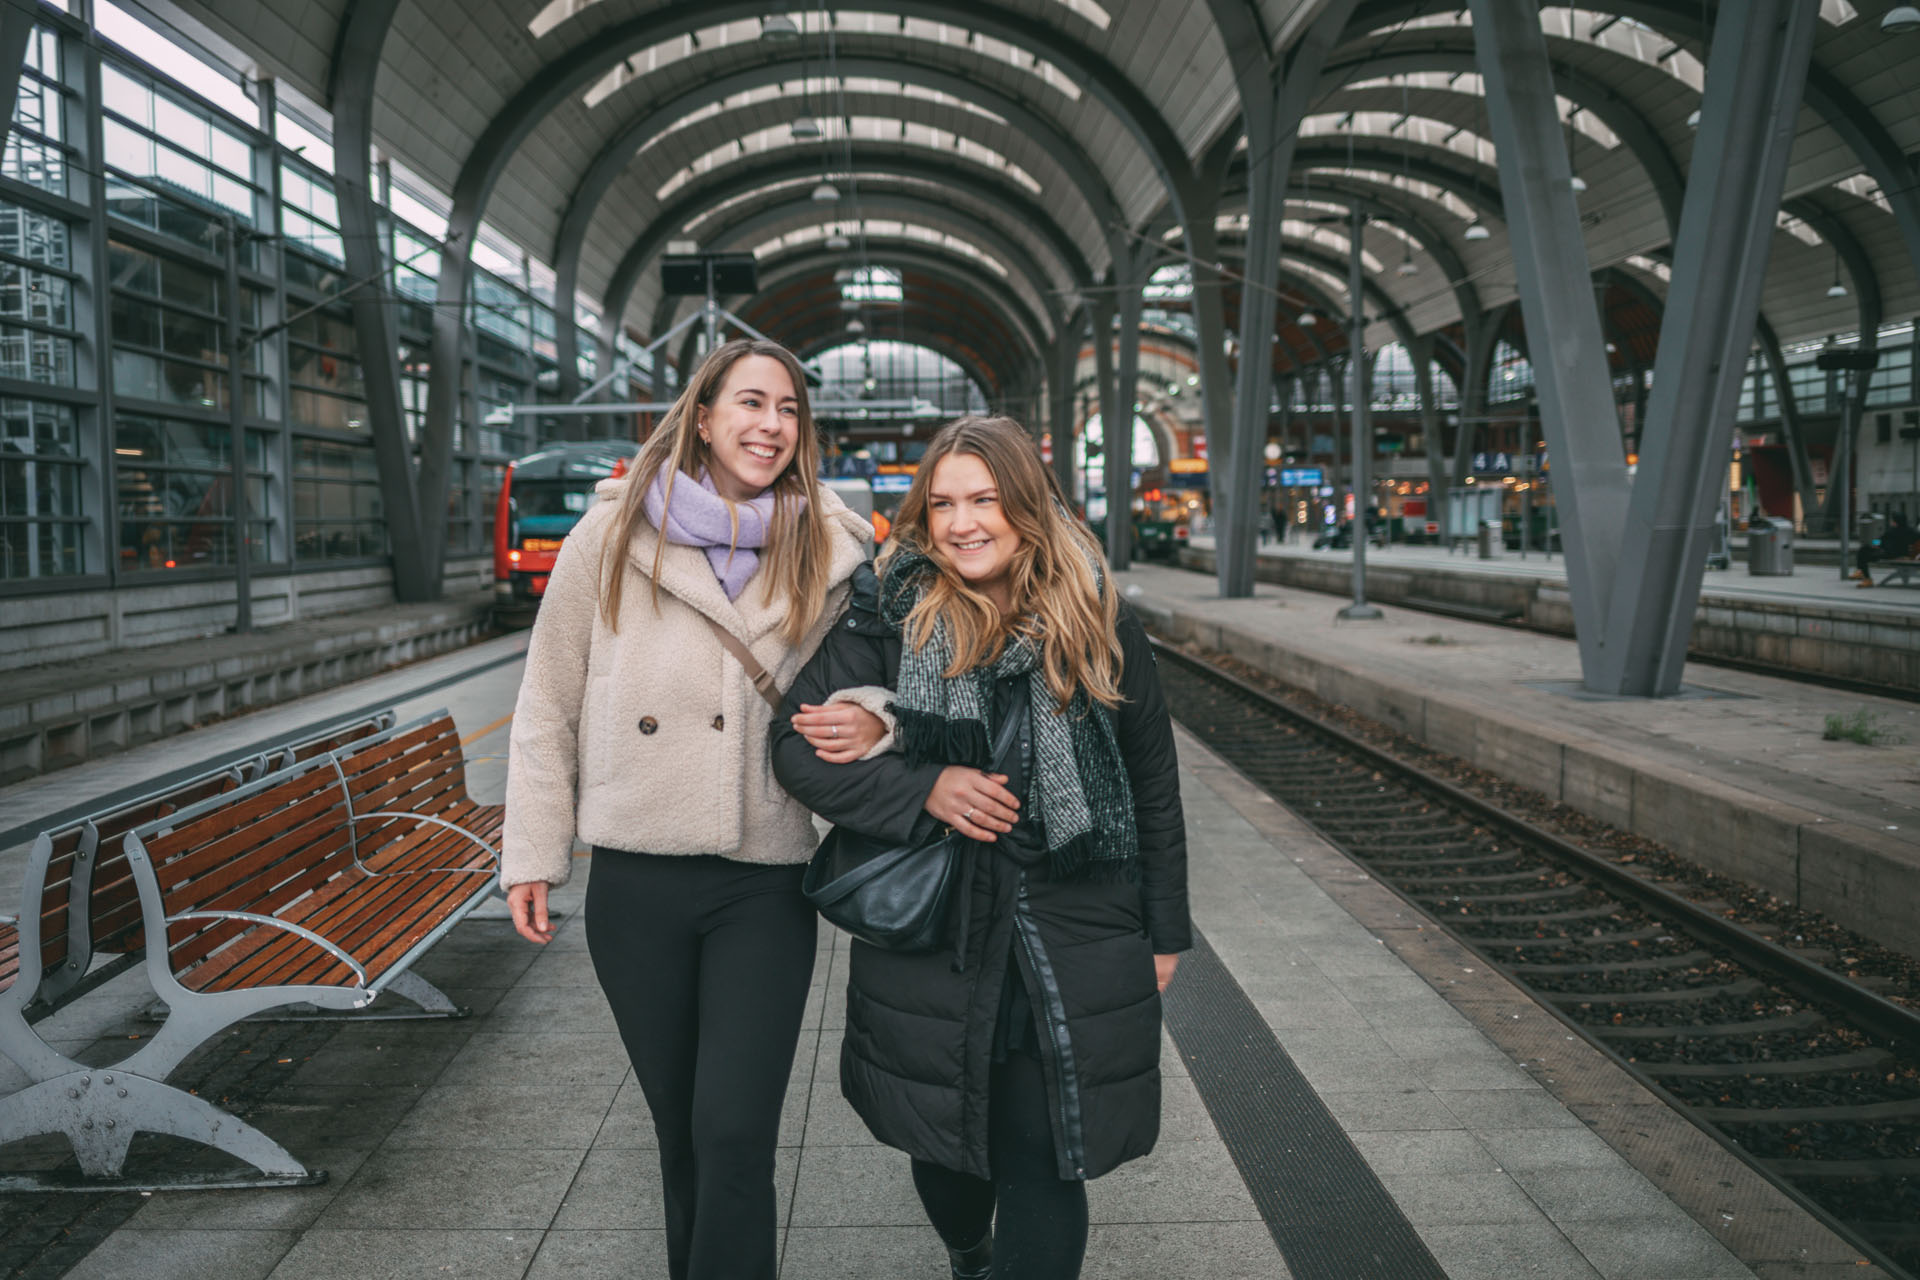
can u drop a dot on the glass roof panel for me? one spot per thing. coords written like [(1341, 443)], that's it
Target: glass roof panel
[(814, 98), (890, 229), (643, 62), (865, 128)]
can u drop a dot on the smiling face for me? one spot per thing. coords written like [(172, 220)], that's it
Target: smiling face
[(751, 428), (966, 526)]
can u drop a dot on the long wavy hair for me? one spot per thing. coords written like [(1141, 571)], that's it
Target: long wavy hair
[(795, 562), (1060, 597)]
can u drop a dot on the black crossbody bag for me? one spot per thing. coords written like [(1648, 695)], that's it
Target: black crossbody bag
[(894, 896)]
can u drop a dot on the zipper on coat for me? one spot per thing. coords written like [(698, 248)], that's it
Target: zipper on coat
[(1055, 1017)]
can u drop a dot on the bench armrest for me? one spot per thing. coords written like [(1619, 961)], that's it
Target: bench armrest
[(438, 822), (4, 919), (330, 948)]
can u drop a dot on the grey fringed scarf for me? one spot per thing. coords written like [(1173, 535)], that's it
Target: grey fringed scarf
[(1078, 793)]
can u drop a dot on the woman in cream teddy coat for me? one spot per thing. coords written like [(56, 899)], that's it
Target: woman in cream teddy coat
[(637, 732)]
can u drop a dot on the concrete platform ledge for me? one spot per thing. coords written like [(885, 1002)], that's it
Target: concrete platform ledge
[(1863, 876), (59, 714)]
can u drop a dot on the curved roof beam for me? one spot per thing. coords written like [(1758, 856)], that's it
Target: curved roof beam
[(945, 217), (968, 360), (1859, 264), (1636, 133), (821, 319), (1477, 185), (656, 118), (1836, 105), (694, 201), (926, 259)]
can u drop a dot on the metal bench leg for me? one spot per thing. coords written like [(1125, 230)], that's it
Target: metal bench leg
[(432, 1001), (99, 1110)]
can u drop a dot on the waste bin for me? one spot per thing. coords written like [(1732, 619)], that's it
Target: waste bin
[(1489, 540), (1770, 549)]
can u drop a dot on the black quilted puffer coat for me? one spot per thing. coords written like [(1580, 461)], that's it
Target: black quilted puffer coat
[(920, 1028)]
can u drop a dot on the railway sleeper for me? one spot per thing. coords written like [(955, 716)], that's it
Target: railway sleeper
[(1864, 1113), (1691, 995), (1478, 877), (1470, 899), (1571, 939), (1438, 858), (1833, 1064), (1602, 912), (1801, 1020), (1679, 960)]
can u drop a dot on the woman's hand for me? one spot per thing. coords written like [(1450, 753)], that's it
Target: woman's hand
[(840, 732), (528, 902), (1163, 967), (973, 803)]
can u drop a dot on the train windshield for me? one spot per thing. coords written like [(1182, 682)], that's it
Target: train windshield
[(552, 489)]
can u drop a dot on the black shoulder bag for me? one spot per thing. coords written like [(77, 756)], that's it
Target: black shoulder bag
[(894, 896)]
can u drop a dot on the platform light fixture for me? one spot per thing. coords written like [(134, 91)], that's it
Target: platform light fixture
[(855, 325), (1900, 20), (806, 129), (825, 193), (1693, 121), (1307, 318), (778, 28), (1836, 289), (1476, 230), (838, 243), (1408, 267)]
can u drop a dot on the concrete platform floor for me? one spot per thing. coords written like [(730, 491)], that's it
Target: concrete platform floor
[(517, 1144)]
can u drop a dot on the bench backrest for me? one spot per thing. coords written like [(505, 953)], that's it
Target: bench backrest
[(256, 849), (85, 857), (269, 843), (332, 739)]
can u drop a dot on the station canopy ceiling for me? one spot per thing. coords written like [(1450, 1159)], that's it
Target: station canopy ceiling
[(1018, 142)]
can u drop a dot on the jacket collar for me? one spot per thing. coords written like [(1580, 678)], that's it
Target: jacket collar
[(686, 575)]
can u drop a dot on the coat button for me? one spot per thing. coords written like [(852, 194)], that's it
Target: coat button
[(648, 724), (720, 722)]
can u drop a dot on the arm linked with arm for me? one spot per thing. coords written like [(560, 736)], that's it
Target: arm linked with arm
[(883, 796)]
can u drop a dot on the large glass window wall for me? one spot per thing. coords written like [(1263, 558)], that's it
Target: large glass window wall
[(118, 331)]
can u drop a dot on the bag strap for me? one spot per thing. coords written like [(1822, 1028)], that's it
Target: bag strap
[(761, 677), (1009, 729)]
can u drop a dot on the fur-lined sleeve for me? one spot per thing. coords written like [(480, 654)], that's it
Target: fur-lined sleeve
[(878, 702)]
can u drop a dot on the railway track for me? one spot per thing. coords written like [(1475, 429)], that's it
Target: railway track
[(1812, 1078)]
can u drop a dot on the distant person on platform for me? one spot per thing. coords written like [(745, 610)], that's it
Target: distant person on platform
[(1897, 543)]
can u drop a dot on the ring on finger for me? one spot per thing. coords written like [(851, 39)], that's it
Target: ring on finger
[(967, 816), (836, 730)]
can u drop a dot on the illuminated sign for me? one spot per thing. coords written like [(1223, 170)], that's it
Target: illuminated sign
[(1303, 477)]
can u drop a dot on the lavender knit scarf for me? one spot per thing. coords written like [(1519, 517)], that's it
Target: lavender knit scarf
[(700, 517)]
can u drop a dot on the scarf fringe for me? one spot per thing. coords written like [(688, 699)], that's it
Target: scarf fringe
[(1083, 860), (931, 739)]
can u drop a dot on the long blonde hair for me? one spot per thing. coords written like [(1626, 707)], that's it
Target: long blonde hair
[(795, 565), (1058, 595)]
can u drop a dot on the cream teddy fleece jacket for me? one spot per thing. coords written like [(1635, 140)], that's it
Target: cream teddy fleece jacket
[(651, 737)]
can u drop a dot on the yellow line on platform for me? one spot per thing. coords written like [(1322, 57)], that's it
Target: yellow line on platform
[(472, 738)]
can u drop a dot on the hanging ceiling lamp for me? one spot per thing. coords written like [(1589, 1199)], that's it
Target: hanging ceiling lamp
[(1693, 121), (838, 243), (1476, 230), (806, 129), (855, 326), (826, 193), (1900, 19), (1408, 267), (1307, 318), (778, 28), (1836, 289)]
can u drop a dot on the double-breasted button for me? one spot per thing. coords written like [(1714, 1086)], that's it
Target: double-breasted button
[(649, 725), (719, 722)]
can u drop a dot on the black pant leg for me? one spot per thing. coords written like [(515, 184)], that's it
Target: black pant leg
[(705, 964), (959, 1205), (642, 936), (1040, 1232), (756, 963)]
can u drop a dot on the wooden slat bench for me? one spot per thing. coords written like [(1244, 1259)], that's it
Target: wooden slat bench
[(321, 882)]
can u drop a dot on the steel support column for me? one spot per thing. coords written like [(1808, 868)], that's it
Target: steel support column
[(1420, 351), (1273, 98), (1104, 384), (1556, 296), (356, 62), (1130, 272), (1066, 363), (1756, 72)]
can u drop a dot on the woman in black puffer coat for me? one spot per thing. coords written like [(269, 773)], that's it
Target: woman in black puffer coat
[(1023, 1059)]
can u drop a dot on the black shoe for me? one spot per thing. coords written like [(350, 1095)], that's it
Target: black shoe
[(975, 1263)]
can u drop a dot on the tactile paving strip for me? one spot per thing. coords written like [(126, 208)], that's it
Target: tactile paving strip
[(1327, 1212)]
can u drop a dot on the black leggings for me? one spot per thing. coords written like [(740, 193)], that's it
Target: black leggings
[(1040, 1232), (706, 964)]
